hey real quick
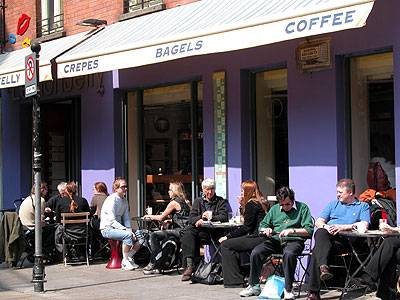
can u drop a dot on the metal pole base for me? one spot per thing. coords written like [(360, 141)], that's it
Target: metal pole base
[(38, 274)]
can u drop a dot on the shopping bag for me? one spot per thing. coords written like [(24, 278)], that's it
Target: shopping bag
[(273, 288)]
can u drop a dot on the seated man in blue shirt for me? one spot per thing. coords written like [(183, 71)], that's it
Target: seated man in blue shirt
[(339, 215)]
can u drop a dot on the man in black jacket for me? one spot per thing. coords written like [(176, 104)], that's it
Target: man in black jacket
[(209, 207)]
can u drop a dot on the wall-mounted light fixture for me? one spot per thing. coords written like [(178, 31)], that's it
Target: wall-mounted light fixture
[(92, 23)]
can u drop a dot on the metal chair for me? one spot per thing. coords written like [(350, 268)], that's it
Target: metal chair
[(303, 263), (347, 262), (75, 234), (17, 203)]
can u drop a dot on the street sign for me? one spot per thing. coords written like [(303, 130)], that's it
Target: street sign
[(30, 75)]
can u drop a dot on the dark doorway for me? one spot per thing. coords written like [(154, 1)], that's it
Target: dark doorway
[(60, 124)]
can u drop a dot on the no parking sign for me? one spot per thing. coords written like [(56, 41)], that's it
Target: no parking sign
[(30, 75)]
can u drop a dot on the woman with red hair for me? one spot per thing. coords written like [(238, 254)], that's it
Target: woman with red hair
[(253, 208), (71, 202)]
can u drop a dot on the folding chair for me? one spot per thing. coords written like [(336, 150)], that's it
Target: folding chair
[(75, 234)]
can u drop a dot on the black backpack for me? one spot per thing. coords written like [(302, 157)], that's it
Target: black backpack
[(168, 255)]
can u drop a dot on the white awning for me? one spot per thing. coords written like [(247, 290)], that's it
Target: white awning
[(208, 26), (12, 64)]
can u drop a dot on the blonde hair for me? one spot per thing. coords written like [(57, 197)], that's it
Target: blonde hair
[(178, 190), (117, 183)]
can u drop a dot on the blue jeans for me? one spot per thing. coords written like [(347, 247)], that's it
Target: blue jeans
[(118, 234)]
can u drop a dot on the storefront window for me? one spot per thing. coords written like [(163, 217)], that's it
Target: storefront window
[(169, 117), (372, 116), (271, 130)]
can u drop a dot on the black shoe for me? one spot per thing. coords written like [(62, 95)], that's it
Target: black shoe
[(325, 274), (367, 281), (313, 296), (371, 288), (187, 274)]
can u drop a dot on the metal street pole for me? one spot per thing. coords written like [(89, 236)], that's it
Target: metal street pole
[(38, 273)]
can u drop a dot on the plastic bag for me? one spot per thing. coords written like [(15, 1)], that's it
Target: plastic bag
[(273, 288)]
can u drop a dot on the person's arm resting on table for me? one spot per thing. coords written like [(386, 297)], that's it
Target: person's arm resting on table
[(171, 207)]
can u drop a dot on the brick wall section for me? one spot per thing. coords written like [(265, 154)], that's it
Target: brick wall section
[(74, 11), (174, 3), (78, 10), (14, 9)]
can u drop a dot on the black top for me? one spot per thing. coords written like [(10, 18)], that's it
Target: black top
[(52, 201), (253, 215), (62, 206), (217, 205), (180, 218)]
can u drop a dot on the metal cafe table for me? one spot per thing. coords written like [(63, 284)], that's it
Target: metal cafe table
[(219, 225), (374, 239)]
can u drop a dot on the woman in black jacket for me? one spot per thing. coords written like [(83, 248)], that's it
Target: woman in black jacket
[(70, 203), (253, 208)]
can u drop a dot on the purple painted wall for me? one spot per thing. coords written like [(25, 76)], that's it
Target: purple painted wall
[(11, 151), (97, 138), (314, 138)]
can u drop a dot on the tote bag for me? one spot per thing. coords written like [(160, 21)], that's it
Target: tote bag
[(209, 272)]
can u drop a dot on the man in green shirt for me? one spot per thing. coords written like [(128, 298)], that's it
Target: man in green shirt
[(285, 227)]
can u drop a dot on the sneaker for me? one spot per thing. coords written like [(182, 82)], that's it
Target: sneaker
[(126, 265), (250, 291), (152, 271), (132, 262), (149, 267), (288, 295)]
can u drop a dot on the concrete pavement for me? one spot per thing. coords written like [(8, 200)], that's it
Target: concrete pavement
[(97, 282)]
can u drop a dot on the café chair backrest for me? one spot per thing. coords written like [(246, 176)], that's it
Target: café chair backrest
[(80, 234)]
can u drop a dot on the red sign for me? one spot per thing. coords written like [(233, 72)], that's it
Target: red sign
[(30, 68), (23, 24)]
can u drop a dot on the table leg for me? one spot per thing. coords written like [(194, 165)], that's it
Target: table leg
[(373, 245)]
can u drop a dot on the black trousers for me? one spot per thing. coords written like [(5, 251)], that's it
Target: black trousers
[(325, 245), (260, 253), (157, 238), (47, 237), (193, 237), (382, 267), (231, 250)]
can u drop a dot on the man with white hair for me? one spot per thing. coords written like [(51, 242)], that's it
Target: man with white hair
[(51, 204), (209, 207)]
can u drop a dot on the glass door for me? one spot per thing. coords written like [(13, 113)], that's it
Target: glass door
[(372, 116), (271, 130), (170, 135)]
